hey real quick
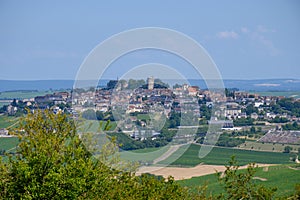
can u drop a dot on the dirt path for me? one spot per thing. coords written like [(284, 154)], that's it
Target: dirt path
[(170, 151), (259, 178), (186, 173)]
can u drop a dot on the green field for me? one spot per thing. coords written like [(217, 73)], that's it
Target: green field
[(282, 177), (95, 125), (267, 146), (8, 143), (220, 156), (6, 121), (144, 155), (143, 117), (22, 94)]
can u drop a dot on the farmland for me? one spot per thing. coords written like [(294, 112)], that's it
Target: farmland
[(270, 176), (21, 94), (272, 147), (8, 143), (143, 155), (94, 125), (6, 121), (220, 156)]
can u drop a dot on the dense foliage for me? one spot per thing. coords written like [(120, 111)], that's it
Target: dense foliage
[(293, 126), (53, 163), (243, 122), (226, 141)]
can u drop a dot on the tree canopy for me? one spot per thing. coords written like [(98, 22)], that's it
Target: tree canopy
[(53, 163)]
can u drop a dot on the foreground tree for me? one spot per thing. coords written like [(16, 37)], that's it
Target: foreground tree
[(53, 163)]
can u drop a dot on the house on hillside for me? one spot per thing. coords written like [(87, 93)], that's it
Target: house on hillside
[(3, 132)]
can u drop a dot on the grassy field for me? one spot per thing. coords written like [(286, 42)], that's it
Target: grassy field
[(94, 125), (220, 156), (143, 117), (144, 155), (22, 94), (6, 121), (267, 146), (282, 177), (8, 143)]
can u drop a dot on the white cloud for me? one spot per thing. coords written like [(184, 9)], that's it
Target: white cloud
[(227, 35), (263, 29)]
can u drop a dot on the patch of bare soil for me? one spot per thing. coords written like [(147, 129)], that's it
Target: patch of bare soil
[(180, 173)]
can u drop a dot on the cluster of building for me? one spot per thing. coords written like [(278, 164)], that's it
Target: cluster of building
[(157, 99)]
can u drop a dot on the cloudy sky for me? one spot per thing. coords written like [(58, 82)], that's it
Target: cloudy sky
[(246, 40)]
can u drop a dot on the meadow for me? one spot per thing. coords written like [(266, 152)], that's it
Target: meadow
[(8, 143), (283, 177), (272, 147), (7, 121), (220, 156), (95, 125), (22, 94), (144, 156)]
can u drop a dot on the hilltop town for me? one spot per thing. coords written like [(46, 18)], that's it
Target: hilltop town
[(137, 105)]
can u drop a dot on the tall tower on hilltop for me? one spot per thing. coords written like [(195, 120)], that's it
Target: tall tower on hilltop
[(150, 82)]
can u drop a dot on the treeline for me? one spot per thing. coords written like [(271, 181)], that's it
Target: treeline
[(243, 121), (125, 142), (288, 127), (226, 141)]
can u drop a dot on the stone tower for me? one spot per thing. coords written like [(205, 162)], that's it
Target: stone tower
[(150, 82)]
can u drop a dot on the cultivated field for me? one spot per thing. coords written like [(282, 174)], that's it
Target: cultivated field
[(6, 122), (272, 147), (283, 177), (220, 156), (95, 125), (22, 94), (8, 143)]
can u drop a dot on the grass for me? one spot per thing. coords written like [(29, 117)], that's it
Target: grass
[(282, 177), (8, 143), (94, 125), (21, 94), (267, 146), (143, 117), (147, 155), (7, 121), (220, 156)]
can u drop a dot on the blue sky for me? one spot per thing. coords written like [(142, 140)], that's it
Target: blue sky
[(247, 40)]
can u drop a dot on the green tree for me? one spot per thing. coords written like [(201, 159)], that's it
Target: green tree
[(99, 115), (287, 149), (252, 129), (52, 162), (89, 114)]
